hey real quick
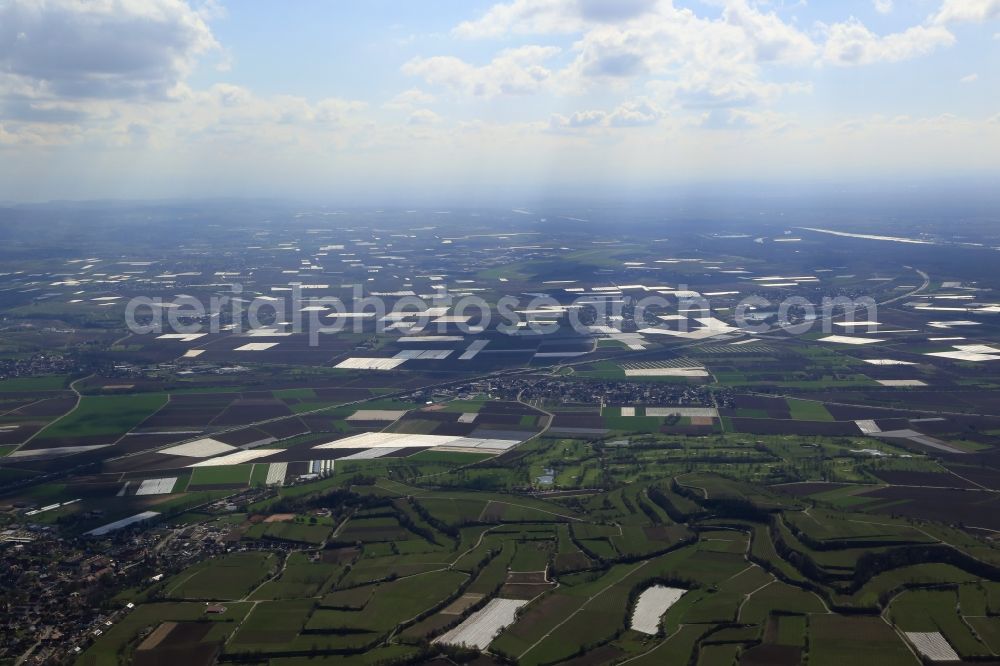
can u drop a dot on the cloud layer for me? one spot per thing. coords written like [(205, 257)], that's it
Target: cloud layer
[(562, 85), (106, 49)]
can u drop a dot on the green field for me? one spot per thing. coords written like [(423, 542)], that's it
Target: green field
[(405, 548), (290, 531), (123, 636), (370, 555), (226, 578), (837, 640), (935, 610), (258, 476), (220, 475), (32, 384), (301, 577), (105, 416), (272, 624), (807, 410)]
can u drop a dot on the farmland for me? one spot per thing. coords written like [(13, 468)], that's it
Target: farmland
[(423, 565), (400, 493), (105, 416), (225, 579), (217, 476)]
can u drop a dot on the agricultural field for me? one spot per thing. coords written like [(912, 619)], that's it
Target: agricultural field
[(651, 487), (223, 475), (103, 416), (227, 578)]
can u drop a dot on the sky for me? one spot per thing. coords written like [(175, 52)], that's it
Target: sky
[(482, 100)]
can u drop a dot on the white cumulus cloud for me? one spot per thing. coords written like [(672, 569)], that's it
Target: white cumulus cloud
[(851, 43), (883, 6), (552, 16), (101, 49), (954, 11), (632, 113), (518, 71), (423, 117), (408, 99)]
